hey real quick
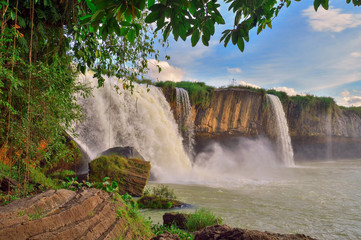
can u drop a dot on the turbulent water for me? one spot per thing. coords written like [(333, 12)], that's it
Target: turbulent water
[(319, 199), (283, 137), (143, 120)]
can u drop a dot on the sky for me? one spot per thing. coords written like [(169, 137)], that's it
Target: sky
[(306, 52)]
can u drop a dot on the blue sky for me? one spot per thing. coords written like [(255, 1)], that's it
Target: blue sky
[(306, 52)]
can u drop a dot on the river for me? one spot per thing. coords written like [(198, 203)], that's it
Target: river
[(319, 199)]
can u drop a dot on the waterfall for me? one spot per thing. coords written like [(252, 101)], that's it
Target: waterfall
[(143, 120), (283, 137), (184, 118)]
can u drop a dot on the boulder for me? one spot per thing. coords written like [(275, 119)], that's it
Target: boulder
[(127, 152), (224, 232), (64, 214), (177, 219), (131, 174)]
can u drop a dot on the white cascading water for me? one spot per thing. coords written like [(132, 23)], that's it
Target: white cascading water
[(184, 118), (143, 120), (283, 137)]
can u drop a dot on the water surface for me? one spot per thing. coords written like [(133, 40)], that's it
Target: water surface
[(319, 199)]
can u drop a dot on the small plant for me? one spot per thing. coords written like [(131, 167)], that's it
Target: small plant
[(158, 229), (106, 185), (37, 215), (201, 219), (72, 184)]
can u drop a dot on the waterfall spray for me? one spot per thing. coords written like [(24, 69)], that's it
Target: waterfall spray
[(283, 137), (142, 120), (184, 119)]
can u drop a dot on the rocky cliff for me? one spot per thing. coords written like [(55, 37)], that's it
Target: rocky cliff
[(318, 127)]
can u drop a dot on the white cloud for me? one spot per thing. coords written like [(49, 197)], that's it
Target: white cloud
[(234, 70), (331, 20), (168, 73), (289, 91), (348, 99), (356, 54), (243, 83)]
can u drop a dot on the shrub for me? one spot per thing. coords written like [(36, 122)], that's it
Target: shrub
[(163, 191), (201, 219)]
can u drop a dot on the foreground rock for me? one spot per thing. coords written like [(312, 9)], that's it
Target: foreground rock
[(224, 232), (177, 219), (64, 214), (131, 174)]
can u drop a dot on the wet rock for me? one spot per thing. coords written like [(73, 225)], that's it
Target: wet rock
[(131, 174), (224, 232)]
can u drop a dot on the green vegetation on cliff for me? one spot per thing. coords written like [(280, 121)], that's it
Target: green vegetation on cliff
[(199, 92)]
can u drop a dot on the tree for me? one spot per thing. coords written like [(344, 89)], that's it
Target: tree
[(191, 18)]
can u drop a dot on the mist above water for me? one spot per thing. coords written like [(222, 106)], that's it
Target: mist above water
[(243, 161)]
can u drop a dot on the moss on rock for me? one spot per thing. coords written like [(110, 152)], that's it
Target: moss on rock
[(131, 174)]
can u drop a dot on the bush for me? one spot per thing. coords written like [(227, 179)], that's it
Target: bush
[(163, 191), (159, 197), (201, 219)]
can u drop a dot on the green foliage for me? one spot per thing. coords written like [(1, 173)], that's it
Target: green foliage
[(106, 185), (163, 191), (201, 219), (159, 197), (194, 19), (63, 174), (252, 89), (310, 100), (183, 235), (281, 95), (356, 110), (134, 222), (199, 93)]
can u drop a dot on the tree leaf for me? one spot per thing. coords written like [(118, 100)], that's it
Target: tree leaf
[(234, 37), (131, 36), (152, 17), (195, 37), (240, 44), (150, 3)]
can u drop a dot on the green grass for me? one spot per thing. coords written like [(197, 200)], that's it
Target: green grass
[(252, 89), (201, 219), (356, 110)]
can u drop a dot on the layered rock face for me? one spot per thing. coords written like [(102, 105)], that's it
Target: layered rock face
[(64, 214), (317, 130), (232, 112)]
